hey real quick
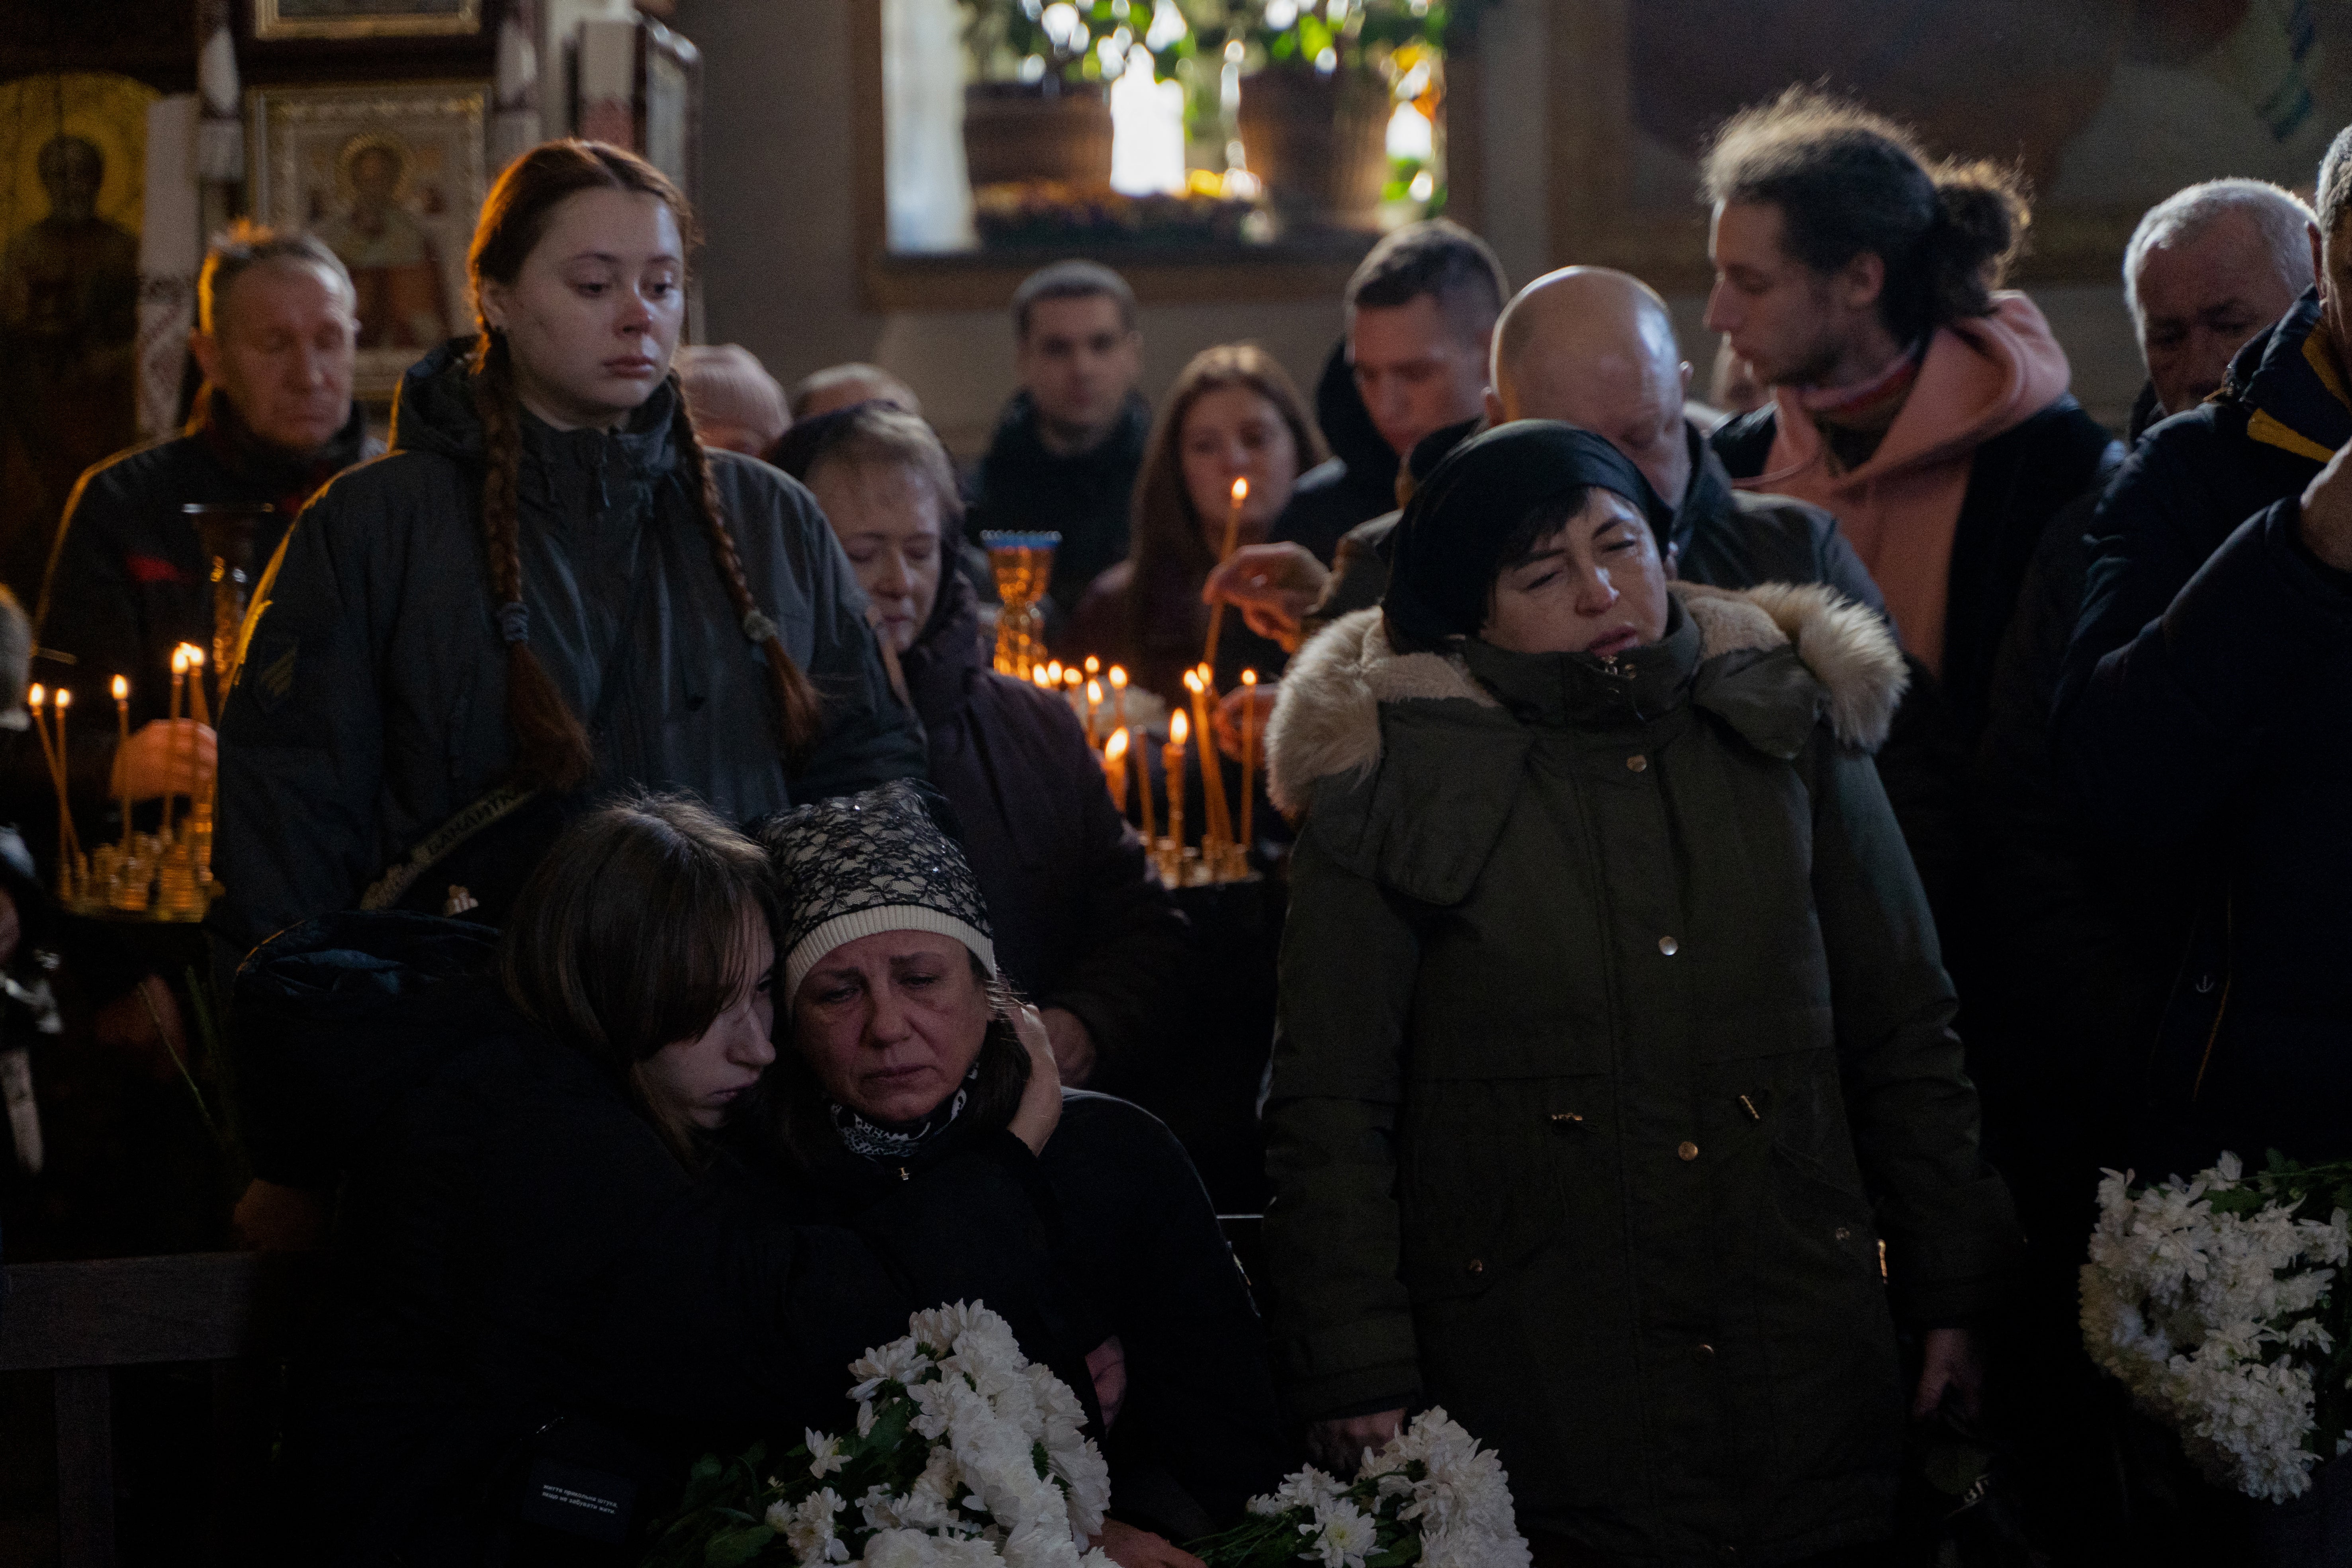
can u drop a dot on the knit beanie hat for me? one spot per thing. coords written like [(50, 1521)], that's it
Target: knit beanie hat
[(726, 385), (858, 865)]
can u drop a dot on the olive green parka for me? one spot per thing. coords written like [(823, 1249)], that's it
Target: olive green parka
[(1614, 1039)]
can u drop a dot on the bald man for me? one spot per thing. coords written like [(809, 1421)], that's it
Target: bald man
[(1594, 348)]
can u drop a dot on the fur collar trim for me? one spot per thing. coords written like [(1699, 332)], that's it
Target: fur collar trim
[(1326, 721)]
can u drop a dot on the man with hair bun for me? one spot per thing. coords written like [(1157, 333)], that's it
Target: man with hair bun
[(1924, 407), (127, 579)]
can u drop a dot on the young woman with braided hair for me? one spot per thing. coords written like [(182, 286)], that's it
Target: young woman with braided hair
[(547, 591)]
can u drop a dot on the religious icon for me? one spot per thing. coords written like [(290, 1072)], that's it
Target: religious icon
[(394, 270), (390, 176), (72, 150), (363, 18)]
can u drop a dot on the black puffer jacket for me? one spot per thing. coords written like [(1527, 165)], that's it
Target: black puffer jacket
[(1143, 1260), (1081, 920), (518, 1254), (371, 706), (2203, 711)]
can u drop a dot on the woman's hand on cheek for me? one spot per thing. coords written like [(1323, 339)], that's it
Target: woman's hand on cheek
[(1132, 1548), (1040, 1102)]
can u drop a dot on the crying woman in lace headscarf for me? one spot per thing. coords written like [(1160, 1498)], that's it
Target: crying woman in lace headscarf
[(899, 1044)]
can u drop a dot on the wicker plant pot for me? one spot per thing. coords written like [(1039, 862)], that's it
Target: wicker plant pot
[(1042, 130), (1319, 143)]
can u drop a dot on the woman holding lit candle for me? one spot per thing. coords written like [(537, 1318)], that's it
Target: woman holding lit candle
[(1082, 924), (1232, 416)]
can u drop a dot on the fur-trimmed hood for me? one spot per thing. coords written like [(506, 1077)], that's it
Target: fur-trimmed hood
[(1326, 721)]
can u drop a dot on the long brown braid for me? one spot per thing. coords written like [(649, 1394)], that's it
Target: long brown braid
[(552, 746), (799, 709)]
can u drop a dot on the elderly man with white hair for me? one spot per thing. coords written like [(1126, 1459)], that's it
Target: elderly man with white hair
[(2206, 269)]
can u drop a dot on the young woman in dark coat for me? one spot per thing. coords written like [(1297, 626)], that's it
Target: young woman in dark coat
[(897, 1058), (1083, 924), (541, 1272), (547, 590)]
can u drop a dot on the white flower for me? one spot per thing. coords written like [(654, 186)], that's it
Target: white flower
[(825, 1453), (1308, 1488), (916, 1549), (900, 1362), (1344, 1536), (808, 1529), (865, 1417)]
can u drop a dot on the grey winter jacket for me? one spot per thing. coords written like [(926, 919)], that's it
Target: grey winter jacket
[(372, 703)]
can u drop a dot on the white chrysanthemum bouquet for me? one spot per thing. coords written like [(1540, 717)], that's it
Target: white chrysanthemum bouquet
[(963, 1454), (1431, 1497), (2213, 1300)]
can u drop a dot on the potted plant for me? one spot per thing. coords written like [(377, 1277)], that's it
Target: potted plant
[(1035, 110), (1315, 115)]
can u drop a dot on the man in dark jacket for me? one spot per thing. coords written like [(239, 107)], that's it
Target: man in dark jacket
[(2203, 711), (1420, 309), (128, 579), (1067, 451), (2071, 974)]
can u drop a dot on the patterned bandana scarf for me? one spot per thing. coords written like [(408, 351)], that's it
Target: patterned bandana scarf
[(897, 1145)]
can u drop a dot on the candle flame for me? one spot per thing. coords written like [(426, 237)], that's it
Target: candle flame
[(65, 700), (1070, 677), (1094, 665), (1037, 674), (195, 655), (1094, 691), (1177, 727), (1118, 678), (121, 690), (1241, 491), (1193, 680), (1249, 677), (1116, 749), (180, 659), (1054, 672), (35, 697)]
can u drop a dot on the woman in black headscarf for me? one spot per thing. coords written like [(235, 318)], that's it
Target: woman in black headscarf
[(1608, 992)]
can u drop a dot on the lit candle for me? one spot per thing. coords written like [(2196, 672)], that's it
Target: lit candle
[(1217, 823), (1037, 674), (69, 840), (1249, 751), (1094, 708), (1118, 694), (1115, 769), (1094, 667), (1233, 538), (200, 707), (1143, 779), (123, 747), (178, 708), (1052, 673), (1173, 759)]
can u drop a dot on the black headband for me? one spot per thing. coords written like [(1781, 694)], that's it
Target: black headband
[(1448, 545)]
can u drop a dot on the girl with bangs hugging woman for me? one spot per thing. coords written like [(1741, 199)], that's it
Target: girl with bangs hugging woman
[(548, 1291)]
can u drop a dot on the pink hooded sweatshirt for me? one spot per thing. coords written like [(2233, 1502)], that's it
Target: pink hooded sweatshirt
[(1981, 376)]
